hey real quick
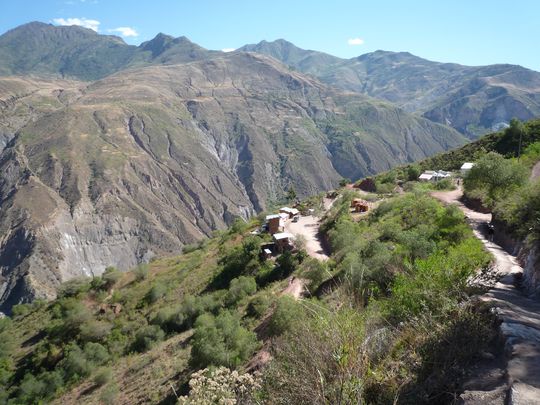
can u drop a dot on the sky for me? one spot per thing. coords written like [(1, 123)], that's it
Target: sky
[(472, 32)]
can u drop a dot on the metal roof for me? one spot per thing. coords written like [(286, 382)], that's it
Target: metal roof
[(283, 235)]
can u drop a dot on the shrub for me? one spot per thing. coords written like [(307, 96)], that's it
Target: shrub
[(413, 172), (73, 314), (221, 341), (94, 331), (147, 336), (192, 247), (75, 364), (287, 312), (110, 276), (444, 184), (156, 292), (74, 287), (241, 260), (31, 390), (323, 360), (20, 310), (494, 177), (286, 265), (103, 376), (314, 271), (141, 272), (109, 394), (258, 306), (239, 289), (96, 354), (221, 386)]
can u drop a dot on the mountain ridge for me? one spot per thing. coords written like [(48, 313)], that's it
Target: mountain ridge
[(471, 99)]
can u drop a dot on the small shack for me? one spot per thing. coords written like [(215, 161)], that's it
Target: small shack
[(359, 205), (267, 250), (291, 212), (466, 168), (425, 177), (273, 223), (283, 241), (434, 175)]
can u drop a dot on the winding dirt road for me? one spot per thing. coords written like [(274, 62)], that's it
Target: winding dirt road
[(514, 378)]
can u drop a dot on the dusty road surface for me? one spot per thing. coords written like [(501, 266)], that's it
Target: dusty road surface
[(514, 377), (308, 227), (295, 288), (535, 173)]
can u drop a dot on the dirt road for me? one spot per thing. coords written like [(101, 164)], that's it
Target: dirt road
[(514, 378), (296, 288), (535, 173), (308, 227)]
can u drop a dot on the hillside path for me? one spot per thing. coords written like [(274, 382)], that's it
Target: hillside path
[(535, 173), (515, 378)]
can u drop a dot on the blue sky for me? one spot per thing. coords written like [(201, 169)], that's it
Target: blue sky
[(473, 32)]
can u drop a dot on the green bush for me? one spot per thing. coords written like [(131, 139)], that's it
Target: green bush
[(287, 312), (259, 305), (94, 330), (74, 287), (141, 272), (241, 260), (221, 341), (156, 292), (75, 363), (323, 360), (96, 353), (437, 284), (521, 212), (494, 178), (109, 394), (103, 376), (21, 310), (146, 337), (110, 277), (239, 289)]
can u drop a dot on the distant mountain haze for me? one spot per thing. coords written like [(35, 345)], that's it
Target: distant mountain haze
[(473, 100), (111, 154)]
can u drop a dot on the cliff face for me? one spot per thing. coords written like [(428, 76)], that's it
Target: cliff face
[(139, 163)]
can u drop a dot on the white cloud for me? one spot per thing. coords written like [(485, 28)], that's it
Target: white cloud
[(125, 31), (355, 41), (228, 49), (83, 22)]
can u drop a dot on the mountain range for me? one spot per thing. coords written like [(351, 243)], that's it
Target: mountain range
[(471, 99), (112, 154)]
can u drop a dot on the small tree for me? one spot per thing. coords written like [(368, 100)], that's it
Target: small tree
[(221, 341), (239, 289), (141, 272), (494, 177), (344, 181), (147, 337), (413, 172), (291, 194)]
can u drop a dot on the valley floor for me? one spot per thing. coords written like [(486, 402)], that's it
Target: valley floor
[(515, 379)]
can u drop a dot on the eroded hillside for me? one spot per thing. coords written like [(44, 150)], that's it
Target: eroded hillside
[(139, 163)]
